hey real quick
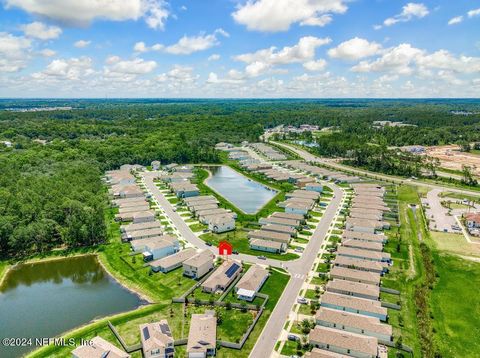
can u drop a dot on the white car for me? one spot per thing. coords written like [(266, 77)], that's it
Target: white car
[(302, 300)]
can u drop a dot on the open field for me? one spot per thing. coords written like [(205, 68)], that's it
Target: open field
[(455, 304), (455, 244)]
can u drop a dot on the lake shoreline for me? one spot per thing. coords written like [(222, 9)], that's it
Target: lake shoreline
[(142, 296), (210, 176)]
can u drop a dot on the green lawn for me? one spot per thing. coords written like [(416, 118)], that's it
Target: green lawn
[(239, 241), (407, 273), (456, 306), (455, 244), (198, 227)]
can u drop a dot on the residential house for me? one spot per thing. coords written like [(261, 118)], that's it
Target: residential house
[(279, 221), (281, 229), (356, 289), (222, 277), (363, 265), (268, 246), (140, 226), (342, 342), (364, 254), (251, 282), (157, 340), (221, 224), (362, 225), (142, 234), (314, 187), (353, 304), (349, 274), (157, 247), (198, 265), (289, 216), (143, 217), (269, 235), (172, 262), (354, 323), (298, 208), (365, 245), (209, 215), (364, 236), (98, 348), (202, 336)]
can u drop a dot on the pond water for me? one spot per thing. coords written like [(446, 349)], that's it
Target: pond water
[(246, 194), (42, 300)]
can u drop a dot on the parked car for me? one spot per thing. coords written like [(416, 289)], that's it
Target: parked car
[(208, 243), (235, 252), (302, 300), (292, 337), (298, 249), (261, 257), (205, 230)]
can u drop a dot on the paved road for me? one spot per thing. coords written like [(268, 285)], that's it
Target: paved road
[(312, 158), (299, 270)]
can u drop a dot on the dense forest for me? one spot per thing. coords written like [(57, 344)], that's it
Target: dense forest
[(51, 193)]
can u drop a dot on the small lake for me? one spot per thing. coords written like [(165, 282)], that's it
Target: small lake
[(48, 298), (246, 194)]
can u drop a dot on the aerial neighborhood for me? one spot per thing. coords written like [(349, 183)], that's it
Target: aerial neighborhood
[(175, 220)]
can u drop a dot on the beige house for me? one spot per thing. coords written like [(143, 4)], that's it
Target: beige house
[(269, 235), (342, 342), (202, 336), (356, 289), (268, 246), (198, 265), (99, 348), (350, 274), (251, 282), (222, 277), (355, 323), (157, 340), (172, 262)]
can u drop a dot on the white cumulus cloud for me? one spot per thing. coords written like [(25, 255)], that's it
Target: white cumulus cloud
[(82, 43), (137, 66), (409, 12), (279, 15), (355, 49), (13, 52), (81, 13), (473, 13), (214, 57), (455, 20), (186, 45), (41, 31), (318, 65)]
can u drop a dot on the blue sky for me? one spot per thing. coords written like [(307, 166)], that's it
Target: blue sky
[(244, 48)]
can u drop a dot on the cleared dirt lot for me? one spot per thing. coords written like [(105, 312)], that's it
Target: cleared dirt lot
[(451, 158)]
